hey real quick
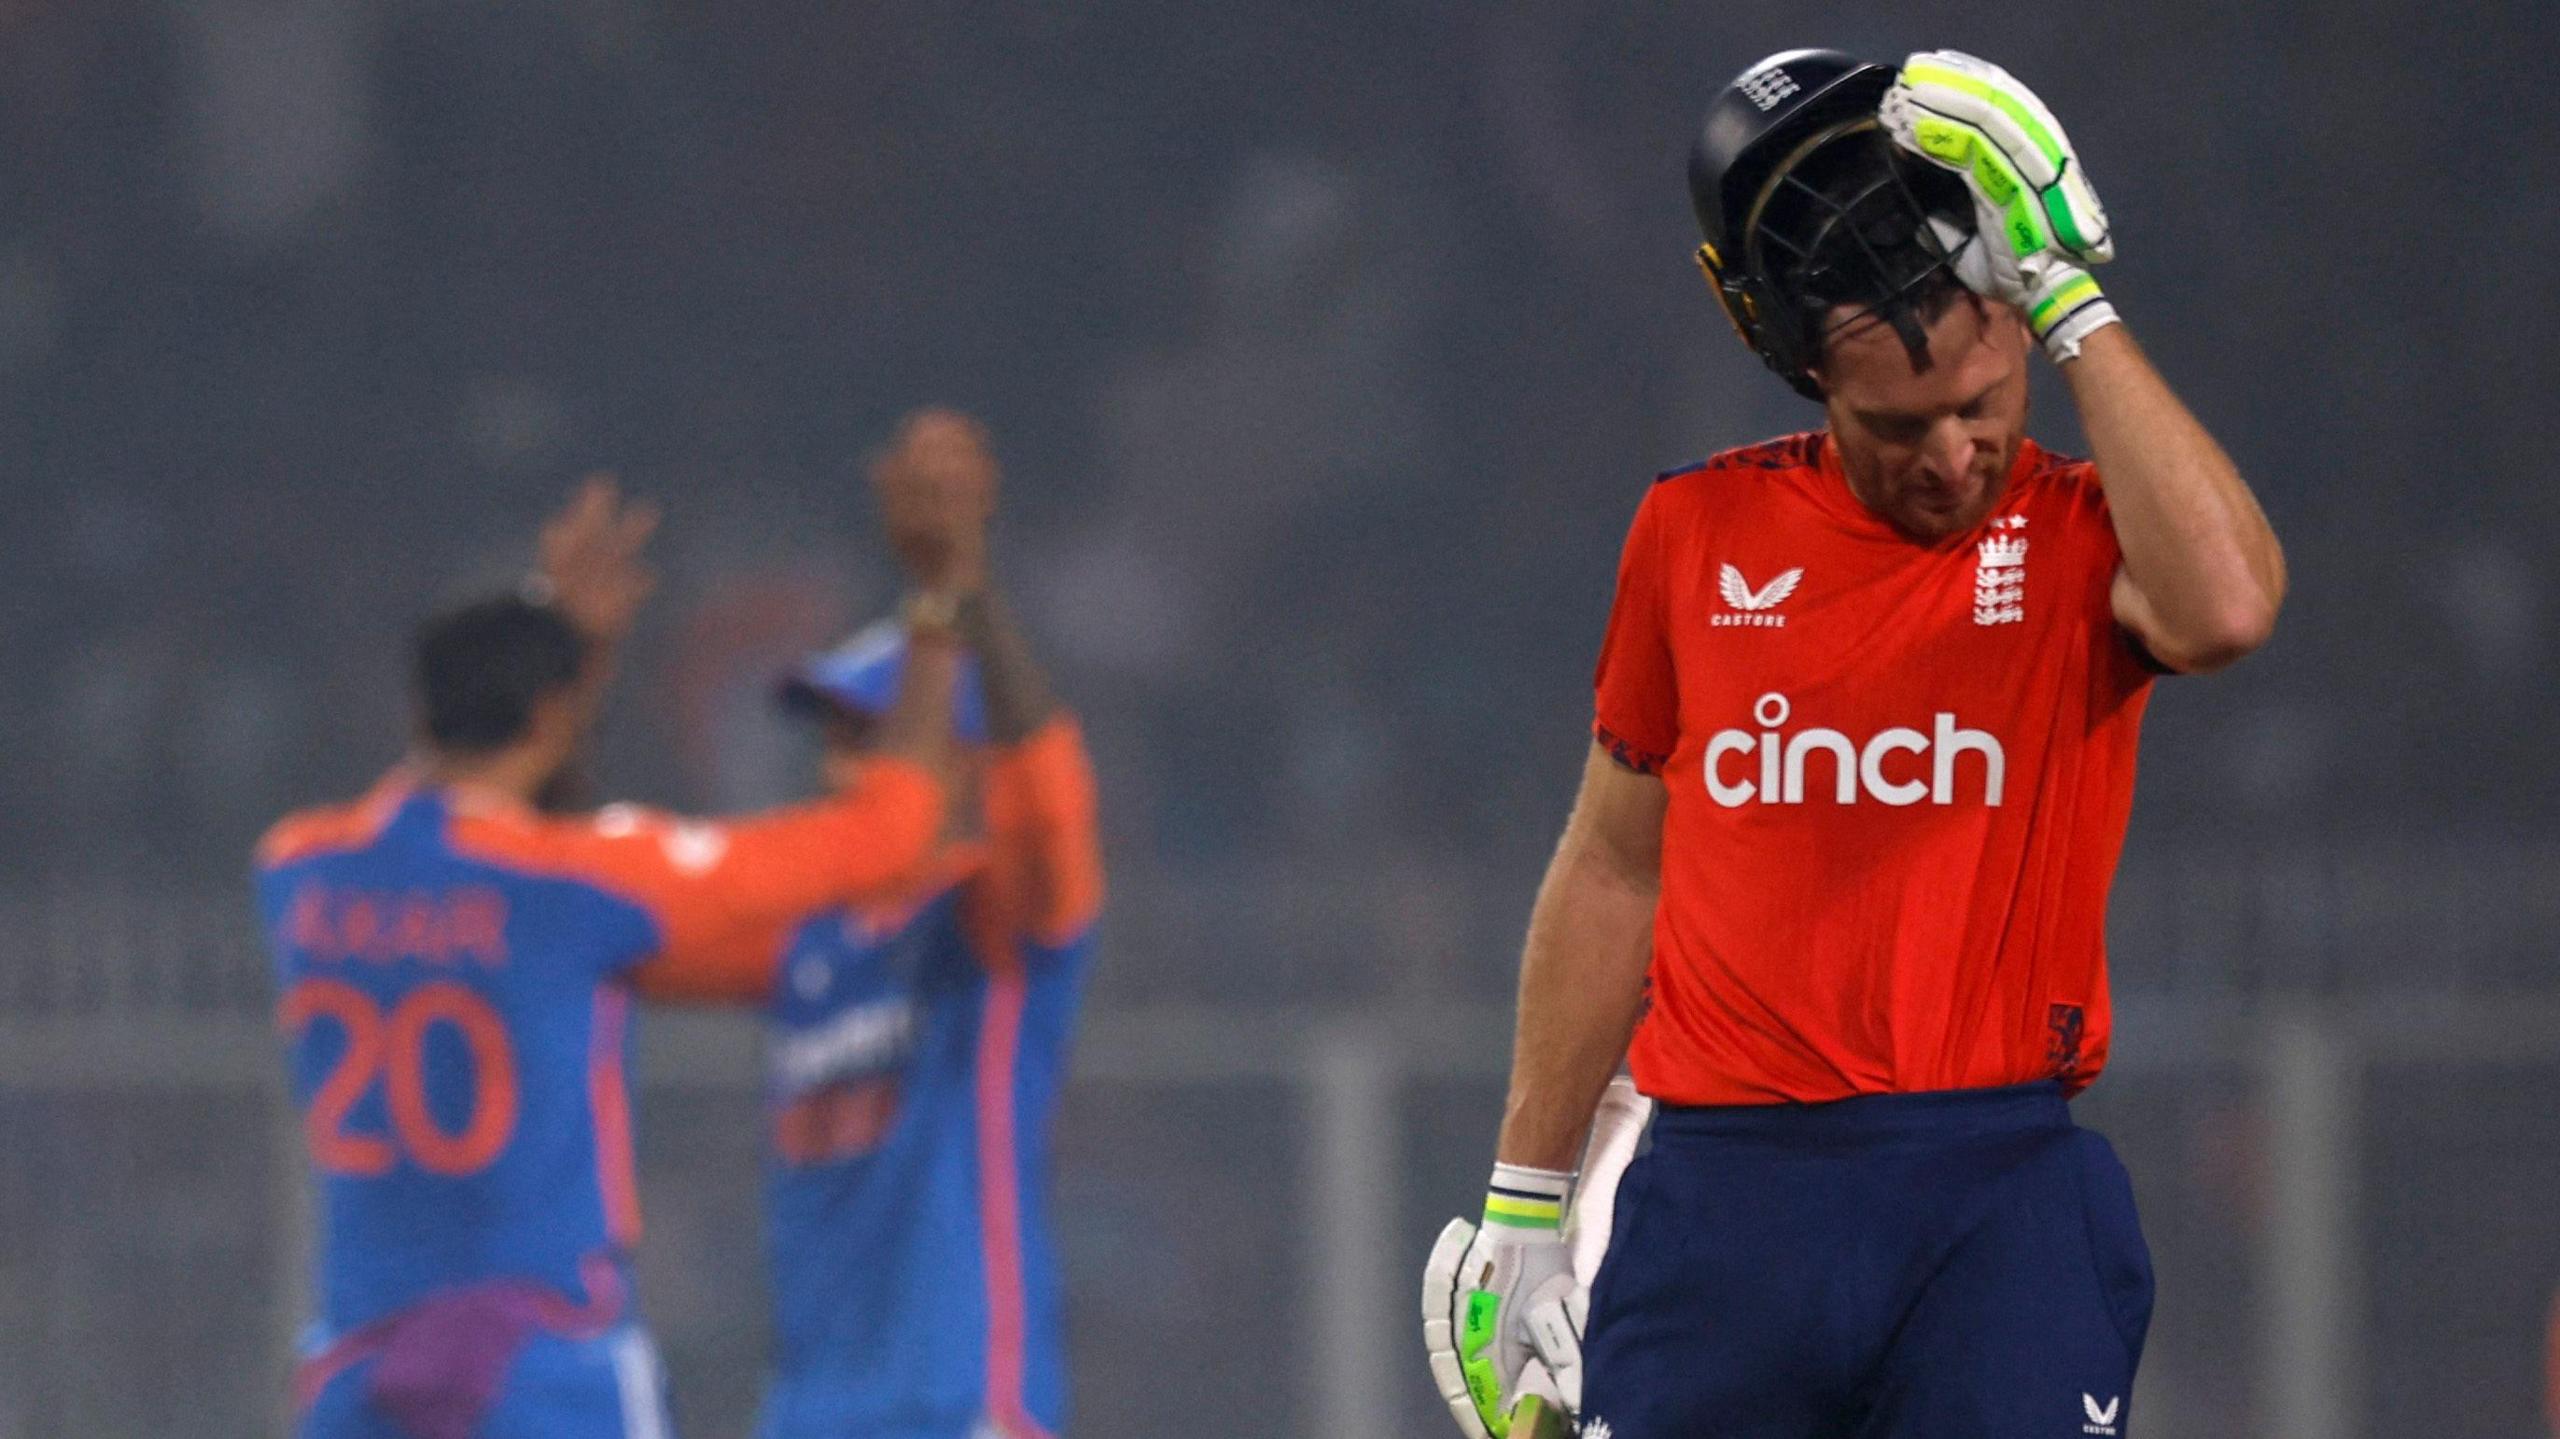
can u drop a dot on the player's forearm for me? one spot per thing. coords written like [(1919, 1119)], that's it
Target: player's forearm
[(736, 967), (787, 863), (1019, 699), (2196, 545), (595, 678), (1581, 987), (917, 727)]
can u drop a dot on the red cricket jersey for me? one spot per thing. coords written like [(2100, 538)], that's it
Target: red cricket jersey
[(1899, 775)]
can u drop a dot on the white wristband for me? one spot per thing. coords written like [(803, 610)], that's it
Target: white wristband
[(1525, 1200)]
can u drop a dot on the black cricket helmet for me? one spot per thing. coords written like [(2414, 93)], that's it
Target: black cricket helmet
[(1807, 205)]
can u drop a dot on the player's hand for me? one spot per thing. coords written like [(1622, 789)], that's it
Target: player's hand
[(936, 484), (590, 559), (2038, 225), (1502, 1313)]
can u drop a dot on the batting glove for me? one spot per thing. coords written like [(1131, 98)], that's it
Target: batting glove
[(1502, 1312), (2037, 223), (1546, 1392)]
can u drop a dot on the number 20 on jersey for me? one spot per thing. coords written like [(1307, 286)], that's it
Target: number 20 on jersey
[(388, 1044)]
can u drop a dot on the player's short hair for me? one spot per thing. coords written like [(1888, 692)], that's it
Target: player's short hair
[(482, 665)]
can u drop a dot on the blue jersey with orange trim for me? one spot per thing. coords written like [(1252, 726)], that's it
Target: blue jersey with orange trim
[(917, 1052), (456, 975)]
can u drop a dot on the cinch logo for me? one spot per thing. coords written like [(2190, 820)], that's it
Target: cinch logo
[(1877, 767)]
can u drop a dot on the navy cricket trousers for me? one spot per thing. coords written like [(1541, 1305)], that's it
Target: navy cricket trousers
[(1959, 1265)]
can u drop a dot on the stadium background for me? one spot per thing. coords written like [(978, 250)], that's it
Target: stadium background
[(1329, 347)]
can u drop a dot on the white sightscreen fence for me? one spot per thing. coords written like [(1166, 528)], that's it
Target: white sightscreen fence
[(2347, 1172)]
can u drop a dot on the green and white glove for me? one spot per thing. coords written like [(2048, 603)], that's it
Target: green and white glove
[(1502, 1311), (2038, 224)]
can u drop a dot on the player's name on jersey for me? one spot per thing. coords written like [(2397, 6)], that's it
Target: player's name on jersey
[(330, 924)]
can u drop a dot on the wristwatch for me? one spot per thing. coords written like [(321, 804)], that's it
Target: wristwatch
[(932, 614)]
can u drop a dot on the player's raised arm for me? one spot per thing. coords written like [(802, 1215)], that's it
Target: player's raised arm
[(2203, 575), (1043, 831), (591, 566), (934, 506), (711, 886), (1045, 866), (727, 892)]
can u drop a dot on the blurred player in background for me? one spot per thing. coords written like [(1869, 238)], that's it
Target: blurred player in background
[(457, 972), (1866, 720), (919, 1038)]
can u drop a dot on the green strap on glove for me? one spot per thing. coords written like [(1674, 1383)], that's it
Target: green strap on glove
[(2038, 224)]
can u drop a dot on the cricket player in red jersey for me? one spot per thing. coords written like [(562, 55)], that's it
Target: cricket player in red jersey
[(1835, 883), (457, 969)]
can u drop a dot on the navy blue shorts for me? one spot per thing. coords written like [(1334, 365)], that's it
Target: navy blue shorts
[(1960, 1265)]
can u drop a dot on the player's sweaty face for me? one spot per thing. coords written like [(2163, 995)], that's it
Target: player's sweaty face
[(1929, 450)]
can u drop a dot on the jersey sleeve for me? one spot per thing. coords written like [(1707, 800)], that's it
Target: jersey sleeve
[(715, 891), (1636, 705), (738, 967), (1044, 865)]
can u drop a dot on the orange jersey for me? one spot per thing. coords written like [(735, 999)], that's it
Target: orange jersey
[(1898, 778)]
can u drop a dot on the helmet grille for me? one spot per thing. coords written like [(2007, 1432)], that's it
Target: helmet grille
[(1844, 222)]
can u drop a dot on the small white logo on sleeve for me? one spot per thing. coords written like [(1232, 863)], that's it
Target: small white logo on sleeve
[(1595, 1427), (695, 848), (1768, 87), (2000, 574), (1751, 606), (2102, 1417), (690, 845)]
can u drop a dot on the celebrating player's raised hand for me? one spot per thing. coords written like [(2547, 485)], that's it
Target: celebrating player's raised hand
[(2038, 224), (937, 489), (591, 561)]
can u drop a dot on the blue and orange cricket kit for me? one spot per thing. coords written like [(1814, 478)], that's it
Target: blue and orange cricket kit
[(917, 1048), (457, 976), (1962, 1264)]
